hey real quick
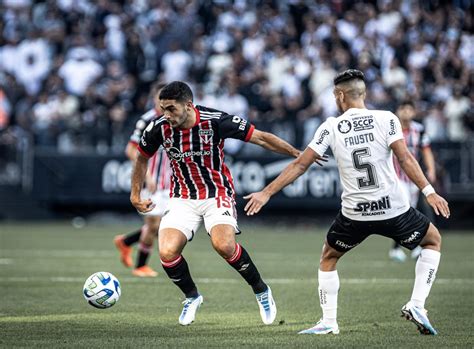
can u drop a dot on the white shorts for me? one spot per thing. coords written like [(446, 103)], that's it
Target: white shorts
[(160, 198), (412, 191), (186, 215)]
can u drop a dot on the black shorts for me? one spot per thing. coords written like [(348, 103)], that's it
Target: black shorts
[(407, 229)]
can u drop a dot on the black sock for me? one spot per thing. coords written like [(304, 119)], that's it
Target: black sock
[(396, 245), (178, 271), (132, 238), (143, 254), (242, 262)]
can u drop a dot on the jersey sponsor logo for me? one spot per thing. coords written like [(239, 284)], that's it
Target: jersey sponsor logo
[(359, 139), (374, 208), (177, 155), (392, 131), (344, 126), (344, 245), (411, 238), (362, 123), (323, 134), (206, 135), (238, 120)]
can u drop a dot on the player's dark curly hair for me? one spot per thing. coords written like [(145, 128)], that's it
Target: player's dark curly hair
[(348, 75), (178, 91)]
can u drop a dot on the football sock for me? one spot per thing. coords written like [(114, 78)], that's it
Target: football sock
[(178, 271), (425, 273), (143, 254), (132, 238), (396, 245), (328, 289), (241, 262)]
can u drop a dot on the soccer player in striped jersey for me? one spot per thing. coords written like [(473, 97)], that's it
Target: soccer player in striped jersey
[(418, 143), (157, 185), (202, 189), (363, 143)]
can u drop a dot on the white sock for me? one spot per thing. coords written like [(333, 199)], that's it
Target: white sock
[(425, 273), (328, 289)]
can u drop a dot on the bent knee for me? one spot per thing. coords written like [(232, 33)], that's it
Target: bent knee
[(224, 248)]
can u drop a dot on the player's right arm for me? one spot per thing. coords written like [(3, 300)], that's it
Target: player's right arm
[(413, 170), (150, 141), (291, 172), (138, 177)]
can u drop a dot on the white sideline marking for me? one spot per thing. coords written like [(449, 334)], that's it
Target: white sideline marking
[(6, 261), (66, 279)]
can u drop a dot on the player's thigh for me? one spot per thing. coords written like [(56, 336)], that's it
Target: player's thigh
[(171, 243), (407, 229), (219, 211), (345, 234), (182, 215), (432, 239)]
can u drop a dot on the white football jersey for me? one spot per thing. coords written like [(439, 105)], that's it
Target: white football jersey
[(360, 141)]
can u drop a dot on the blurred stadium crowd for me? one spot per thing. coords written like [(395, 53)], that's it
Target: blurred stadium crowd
[(76, 74)]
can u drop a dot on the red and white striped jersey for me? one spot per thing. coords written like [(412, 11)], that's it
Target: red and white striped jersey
[(158, 165), (197, 154), (415, 139)]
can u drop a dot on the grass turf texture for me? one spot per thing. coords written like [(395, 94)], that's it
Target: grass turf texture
[(43, 268)]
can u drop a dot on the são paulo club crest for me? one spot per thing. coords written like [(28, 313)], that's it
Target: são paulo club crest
[(206, 135), (344, 126)]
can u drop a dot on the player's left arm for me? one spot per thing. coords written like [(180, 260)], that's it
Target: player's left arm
[(413, 170), (291, 172), (271, 142), (428, 160)]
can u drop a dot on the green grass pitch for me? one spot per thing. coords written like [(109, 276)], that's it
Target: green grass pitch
[(43, 267)]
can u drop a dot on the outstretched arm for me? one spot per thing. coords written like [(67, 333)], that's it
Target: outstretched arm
[(138, 177), (413, 170), (271, 142), (291, 172)]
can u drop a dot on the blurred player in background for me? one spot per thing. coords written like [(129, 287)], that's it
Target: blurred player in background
[(418, 143), (157, 186), (202, 189), (373, 201)]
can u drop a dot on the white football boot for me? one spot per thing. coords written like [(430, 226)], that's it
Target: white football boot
[(191, 305), (397, 255), (321, 328), (419, 317), (267, 306)]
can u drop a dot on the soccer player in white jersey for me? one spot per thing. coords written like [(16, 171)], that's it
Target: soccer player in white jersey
[(418, 143), (373, 201), (157, 187)]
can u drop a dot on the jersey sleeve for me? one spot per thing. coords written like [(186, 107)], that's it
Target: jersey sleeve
[(150, 140), (233, 126), (392, 128), (321, 140)]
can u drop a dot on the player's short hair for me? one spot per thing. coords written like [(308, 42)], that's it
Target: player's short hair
[(348, 75), (178, 91)]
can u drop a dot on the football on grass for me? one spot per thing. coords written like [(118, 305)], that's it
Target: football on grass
[(102, 290)]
